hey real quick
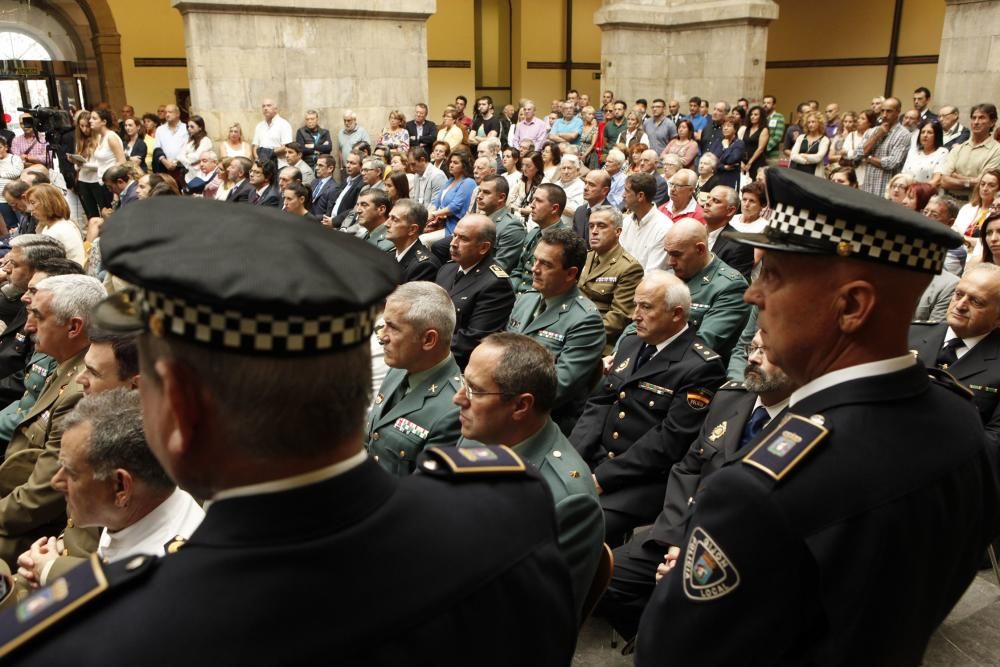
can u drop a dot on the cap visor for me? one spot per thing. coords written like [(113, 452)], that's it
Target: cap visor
[(770, 243), (118, 313)]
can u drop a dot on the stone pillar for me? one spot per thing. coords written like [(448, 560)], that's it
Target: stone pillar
[(968, 70), (328, 55), (108, 53), (680, 48)]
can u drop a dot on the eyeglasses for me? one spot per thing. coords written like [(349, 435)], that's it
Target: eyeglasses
[(752, 349), (464, 388), (677, 186)]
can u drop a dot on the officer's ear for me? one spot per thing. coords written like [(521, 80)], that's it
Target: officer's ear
[(181, 409), (856, 303), (524, 405)]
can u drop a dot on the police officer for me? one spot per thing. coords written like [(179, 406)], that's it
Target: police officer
[(478, 286), (373, 212), (645, 413), (506, 395), (492, 201), (298, 514), (785, 548), (413, 407), (567, 323), (403, 228), (546, 211)]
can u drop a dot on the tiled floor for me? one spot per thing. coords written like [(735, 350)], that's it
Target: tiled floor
[(970, 636)]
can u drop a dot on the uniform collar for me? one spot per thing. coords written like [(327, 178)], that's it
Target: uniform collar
[(858, 371), (295, 481)]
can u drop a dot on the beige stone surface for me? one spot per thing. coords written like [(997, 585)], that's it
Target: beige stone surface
[(680, 48), (968, 70)]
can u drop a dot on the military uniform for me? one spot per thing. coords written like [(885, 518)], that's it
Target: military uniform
[(978, 369), (610, 282), (377, 238), (511, 233), (520, 275), (39, 368), (483, 300), (637, 424), (579, 519), (418, 263), (572, 330), (399, 427), (29, 507), (15, 350), (717, 308)]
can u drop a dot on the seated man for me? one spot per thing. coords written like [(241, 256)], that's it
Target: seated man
[(739, 411), (567, 323), (508, 390), (373, 212), (645, 413), (403, 228), (546, 211), (111, 480), (492, 201), (479, 287), (413, 407)]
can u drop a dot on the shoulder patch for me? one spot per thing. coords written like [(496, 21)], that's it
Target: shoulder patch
[(587, 305), (949, 381), (175, 544), (733, 386), (704, 351), (708, 572), (498, 271), (699, 399), (470, 461), (787, 445)]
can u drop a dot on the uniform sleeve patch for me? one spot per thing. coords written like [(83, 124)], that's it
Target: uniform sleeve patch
[(699, 399), (708, 572), (498, 271), (783, 448)]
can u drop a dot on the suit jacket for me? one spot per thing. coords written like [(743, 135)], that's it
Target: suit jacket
[(427, 137), (398, 430), (353, 187), (637, 424), (483, 300), (662, 190), (611, 286), (240, 559), (321, 199), (737, 255), (933, 304), (418, 263), (29, 506), (581, 219), (270, 197), (324, 146), (978, 369), (15, 350), (902, 469), (241, 193), (129, 194)]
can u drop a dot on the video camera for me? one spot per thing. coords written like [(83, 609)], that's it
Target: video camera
[(49, 120)]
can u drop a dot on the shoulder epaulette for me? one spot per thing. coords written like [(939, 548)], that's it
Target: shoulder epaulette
[(498, 271), (784, 447), (587, 305), (175, 544), (733, 386), (476, 460), (949, 381), (705, 352)]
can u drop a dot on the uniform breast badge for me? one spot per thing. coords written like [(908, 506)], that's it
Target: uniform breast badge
[(623, 365), (718, 432)]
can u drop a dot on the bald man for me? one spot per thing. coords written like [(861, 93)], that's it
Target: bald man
[(271, 134), (170, 140), (647, 165)]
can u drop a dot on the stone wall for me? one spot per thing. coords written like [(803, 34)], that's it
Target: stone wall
[(969, 62)]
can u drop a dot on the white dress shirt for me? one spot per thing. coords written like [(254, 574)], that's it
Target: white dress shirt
[(644, 239)]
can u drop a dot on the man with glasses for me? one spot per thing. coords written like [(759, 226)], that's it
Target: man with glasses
[(349, 135), (683, 203), (659, 129), (954, 132), (413, 407), (505, 397)]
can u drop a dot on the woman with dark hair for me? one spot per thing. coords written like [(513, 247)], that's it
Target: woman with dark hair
[(732, 155), (397, 186), (150, 121), (198, 143), (532, 174), (452, 202), (845, 176), (551, 159), (108, 151), (135, 144), (755, 142), (917, 196), (683, 145), (866, 120), (990, 242), (440, 152), (927, 153)]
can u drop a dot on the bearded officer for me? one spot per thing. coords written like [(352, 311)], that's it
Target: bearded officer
[(855, 471), (293, 496)]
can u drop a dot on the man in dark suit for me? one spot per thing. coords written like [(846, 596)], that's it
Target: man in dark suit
[(403, 228), (119, 181), (649, 407), (479, 287), (265, 190), (315, 140), (264, 460), (967, 345), (238, 172), (341, 201), (596, 186), (324, 186), (423, 132), (719, 210), (739, 411)]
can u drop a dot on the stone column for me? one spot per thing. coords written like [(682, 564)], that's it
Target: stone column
[(968, 70), (680, 48), (328, 55), (108, 53)]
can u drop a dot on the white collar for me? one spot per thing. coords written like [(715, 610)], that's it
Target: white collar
[(399, 255), (670, 340), (772, 410), (967, 343), (119, 544), (295, 481), (833, 378)]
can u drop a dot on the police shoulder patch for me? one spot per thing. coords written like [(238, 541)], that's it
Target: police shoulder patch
[(708, 572), (784, 447), (704, 351), (699, 399), (470, 460), (498, 271), (949, 381)]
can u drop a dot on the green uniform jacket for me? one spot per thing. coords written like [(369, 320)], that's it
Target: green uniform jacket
[(425, 416), (520, 274), (718, 311), (579, 517), (610, 283), (377, 238), (29, 506), (39, 368), (511, 232), (573, 331)]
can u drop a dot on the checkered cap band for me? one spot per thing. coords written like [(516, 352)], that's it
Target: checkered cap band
[(260, 333), (817, 229)]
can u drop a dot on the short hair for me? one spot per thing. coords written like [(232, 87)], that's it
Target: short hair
[(924, 90), (642, 101), (574, 250), (243, 163), (294, 172), (73, 296), (52, 202), (674, 160), (421, 105), (487, 230), (34, 177), (117, 439), (379, 198), (430, 307), (123, 346), (119, 172), (616, 215), (310, 112), (295, 146), (711, 158), (677, 292), (770, 97), (419, 153), (555, 195), (616, 155), (375, 163), (416, 213), (267, 167), (59, 266), (211, 155), (644, 183), (687, 176), (37, 248), (16, 188), (986, 108), (695, 100), (525, 367), (732, 198), (951, 205), (503, 187), (328, 160), (463, 98), (755, 188)]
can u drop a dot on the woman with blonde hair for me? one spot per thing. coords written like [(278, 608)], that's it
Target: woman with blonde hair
[(48, 206), (87, 181), (898, 185), (450, 131), (810, 149), (234, 145), (225, 185)]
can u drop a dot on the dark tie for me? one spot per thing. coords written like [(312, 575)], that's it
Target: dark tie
[(645, 354), (459, 274), (254, 197), (396, 396), (538, 311), (754, 425), (948, 355), (322, 184)]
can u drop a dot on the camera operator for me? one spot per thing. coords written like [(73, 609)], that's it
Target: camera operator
[(30, 146)]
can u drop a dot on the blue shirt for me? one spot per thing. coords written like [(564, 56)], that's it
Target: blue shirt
[(562, 126), (699, 122)]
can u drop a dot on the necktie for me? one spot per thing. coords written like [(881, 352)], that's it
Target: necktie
[(538, 311), (948, 355), (319, 188), (645, 354), (754, 425), (458, 276), (396, 396)]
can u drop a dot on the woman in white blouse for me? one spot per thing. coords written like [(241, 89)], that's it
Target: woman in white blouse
[(234, 146), (49, 207), (11, 165), (927, 153), (108, 151), (198, 143)]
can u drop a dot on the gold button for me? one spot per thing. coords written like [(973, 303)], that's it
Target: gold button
[(611, 455), (615, 435), (621, 415), (622, 395), (402, 454), (375, 436)]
